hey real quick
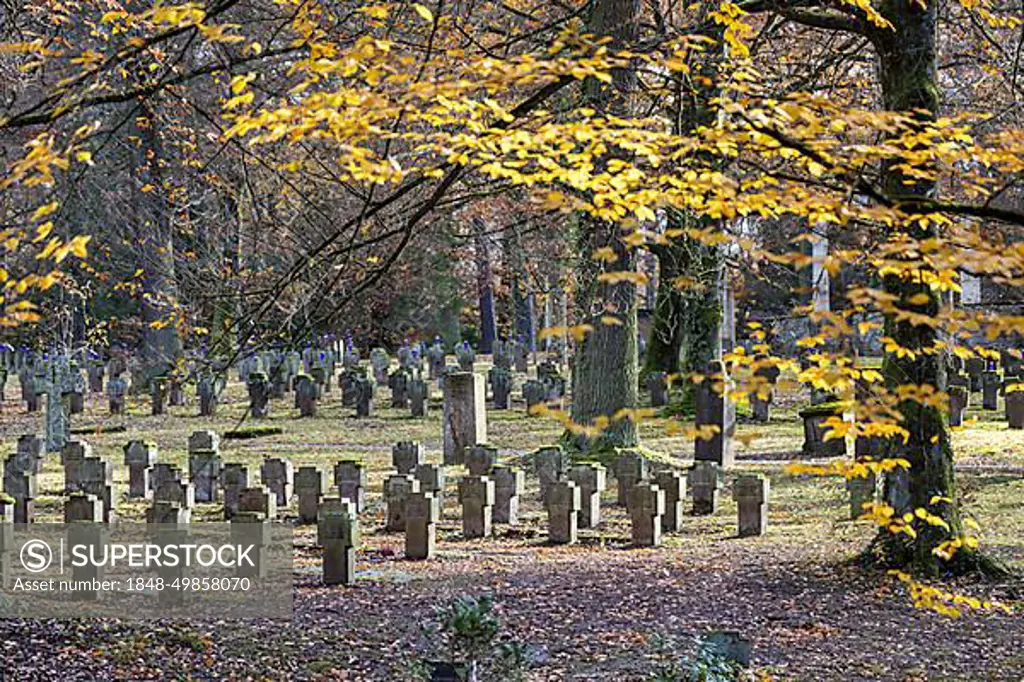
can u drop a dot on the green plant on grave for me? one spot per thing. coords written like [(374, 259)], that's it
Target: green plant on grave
[(469, 632)]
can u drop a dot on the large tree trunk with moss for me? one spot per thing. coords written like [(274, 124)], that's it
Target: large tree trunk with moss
[(161, 344), (605, 372), (907, 70), (683, 336)]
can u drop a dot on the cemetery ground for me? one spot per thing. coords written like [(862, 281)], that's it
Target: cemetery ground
[(601, 610)]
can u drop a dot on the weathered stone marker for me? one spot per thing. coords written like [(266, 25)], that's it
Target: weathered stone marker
[(423, 511), (535, 395), (673, 484), (476, 495), (657, 385), (646, 506), (713, 408), (204, 464), (432, 480), (990, 385), (364, 397), (862, 490), (480, 459), (591, 479), (258, 499), (959, 398), (350, 480), (419, 398), (549, 464), (259, 395), (339, 535), (509, 483), (139, 457), (751, 494), (406, 456), (307, 393), (234, 479), (279, 476), (630, 468), (251, 529), (84, 514), (705, 482), (310, 487), (563, 504), (397, 489), (465, 415), (501, 387), (1015, 405)]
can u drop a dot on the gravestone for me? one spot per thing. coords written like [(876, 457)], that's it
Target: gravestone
[(139, 457), (97, 479), (251, 529), (432, 480), (975, 367), (862, 490), (465, 417), (234, 479), (204, 464), (310, 487), (816, 430), (364, 397), (259, 395), (501, 387), (646, 507), (278, 475), (406, 456), (508, 486), (85, 514), (423, 511), (535, 395), (419, 398), (30, 448), (306, 395), (657, 385), (157, 395), (480, 459), (20, 483), (161, 472), (590, 478), (397, 489), (380, 362), (207, 389), (339, 535), (550, 464), (1015, 405), (117, 388), (465, 356), (258, 499), (630, 468), (175, 392), (476, 495), (713, 408), (95, 371), (763, 394), (673, 484), (563, 504), (751, 494), (990, 385), (398, 382), (350, 480), (174, 490), (6, 541), (959, 398), (705, 483)]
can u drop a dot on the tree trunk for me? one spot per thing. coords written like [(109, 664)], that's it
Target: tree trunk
[(907, 71), (485, 288), (605, 373), (161, 345)]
